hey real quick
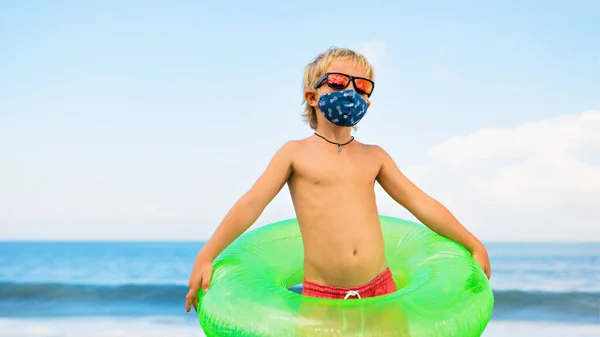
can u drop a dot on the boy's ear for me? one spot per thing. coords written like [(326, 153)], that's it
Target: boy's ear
[(311, 97)]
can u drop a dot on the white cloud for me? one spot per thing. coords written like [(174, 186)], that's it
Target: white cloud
[(537, 181)]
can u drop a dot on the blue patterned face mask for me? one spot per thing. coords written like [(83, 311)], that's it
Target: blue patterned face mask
[(343, 108)]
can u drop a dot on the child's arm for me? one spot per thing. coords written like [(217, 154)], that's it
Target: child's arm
[(251, 205), (240, 217), (428, 210)]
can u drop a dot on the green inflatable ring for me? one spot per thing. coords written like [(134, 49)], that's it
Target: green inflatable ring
[(442, 291)]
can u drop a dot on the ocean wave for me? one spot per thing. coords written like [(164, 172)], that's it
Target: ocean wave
[(148, 293), (18, 299), (558, 306)]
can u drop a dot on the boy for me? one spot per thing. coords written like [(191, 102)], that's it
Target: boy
[(331, 179)]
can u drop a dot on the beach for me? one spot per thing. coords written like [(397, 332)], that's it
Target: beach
[(159, 327), (165, 326), (129, 289)]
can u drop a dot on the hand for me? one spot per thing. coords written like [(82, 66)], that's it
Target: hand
[(201, 275), (481, 256)]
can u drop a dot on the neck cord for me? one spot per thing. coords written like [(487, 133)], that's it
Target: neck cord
[(339, 146)]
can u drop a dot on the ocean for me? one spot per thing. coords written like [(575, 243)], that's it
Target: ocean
[(109, 289)]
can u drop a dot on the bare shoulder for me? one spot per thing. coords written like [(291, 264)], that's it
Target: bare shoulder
[(273, 178), (377, 153), (280, 165), (289, 146), (389, 172), (288, 149), (376, 149), (292, 151), (297, 146)]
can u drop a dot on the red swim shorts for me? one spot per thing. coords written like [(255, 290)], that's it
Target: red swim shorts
[(381, 285)]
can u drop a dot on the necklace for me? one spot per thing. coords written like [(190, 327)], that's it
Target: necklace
[(339, 146)]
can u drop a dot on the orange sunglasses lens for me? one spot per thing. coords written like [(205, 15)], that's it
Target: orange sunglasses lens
[(338, 80), (363, 85)]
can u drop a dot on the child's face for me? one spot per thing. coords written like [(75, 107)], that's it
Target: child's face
[(338, 66)]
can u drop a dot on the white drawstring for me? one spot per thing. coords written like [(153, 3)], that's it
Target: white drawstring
[(351, 293)]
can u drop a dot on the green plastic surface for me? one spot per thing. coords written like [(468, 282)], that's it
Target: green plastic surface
[(442, 291)]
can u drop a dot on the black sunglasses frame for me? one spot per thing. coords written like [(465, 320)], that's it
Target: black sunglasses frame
[(352, 79)]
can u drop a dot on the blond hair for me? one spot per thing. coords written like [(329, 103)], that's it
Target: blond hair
[(318, 67)]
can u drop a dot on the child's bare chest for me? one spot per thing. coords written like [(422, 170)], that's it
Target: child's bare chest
[(333, 169)]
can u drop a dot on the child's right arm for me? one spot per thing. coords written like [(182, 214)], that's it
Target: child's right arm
[(239, 218)]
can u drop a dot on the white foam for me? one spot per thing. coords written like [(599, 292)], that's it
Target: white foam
[(99, 327), (177, 327), (546, 329)]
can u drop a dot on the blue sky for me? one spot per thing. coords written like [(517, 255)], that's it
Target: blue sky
[(147, 120)]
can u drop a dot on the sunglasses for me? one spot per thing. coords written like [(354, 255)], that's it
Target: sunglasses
[(340, 81)]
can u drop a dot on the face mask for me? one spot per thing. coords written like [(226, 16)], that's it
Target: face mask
[(343, 108)]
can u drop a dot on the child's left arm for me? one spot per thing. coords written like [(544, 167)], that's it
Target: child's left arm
[(428, 210)]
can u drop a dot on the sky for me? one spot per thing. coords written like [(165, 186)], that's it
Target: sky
[(148, 120)]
